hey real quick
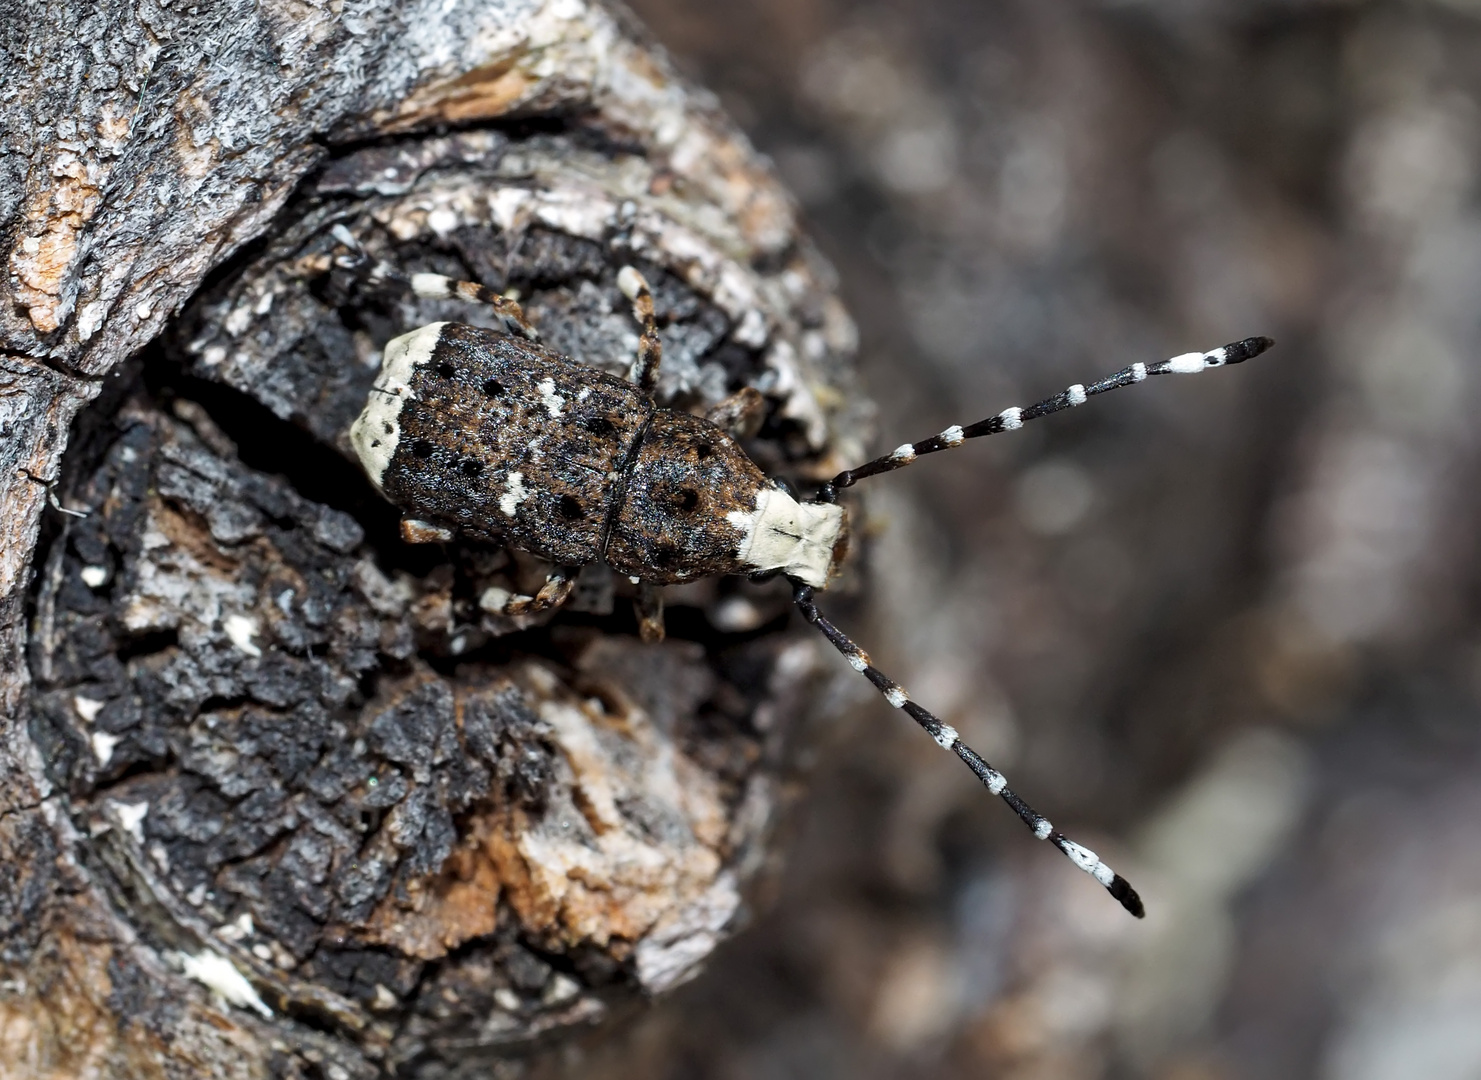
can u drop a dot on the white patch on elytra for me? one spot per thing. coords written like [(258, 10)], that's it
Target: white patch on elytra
[(220, 976), (552, 401), (241, 629), (782, 534), (376, 431), (1088, 861), (515, 493)]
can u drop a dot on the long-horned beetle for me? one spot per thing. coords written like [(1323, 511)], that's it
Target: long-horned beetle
[(494, 435)]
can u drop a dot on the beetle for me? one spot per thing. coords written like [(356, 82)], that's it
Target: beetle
[(491, 434)]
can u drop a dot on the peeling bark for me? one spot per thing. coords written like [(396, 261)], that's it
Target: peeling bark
[(277, 797)]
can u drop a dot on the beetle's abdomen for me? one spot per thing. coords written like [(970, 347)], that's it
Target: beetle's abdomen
[(498, 437)]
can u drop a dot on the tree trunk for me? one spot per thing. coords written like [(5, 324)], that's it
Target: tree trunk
[(277, 797)]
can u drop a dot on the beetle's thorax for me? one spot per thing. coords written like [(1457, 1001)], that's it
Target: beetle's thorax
[(803, 540)]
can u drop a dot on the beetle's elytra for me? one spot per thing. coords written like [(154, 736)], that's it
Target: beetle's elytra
[(491, 434)]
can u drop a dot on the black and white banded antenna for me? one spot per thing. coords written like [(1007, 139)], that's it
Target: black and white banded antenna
[(946, 736), (1013, 418), (1008, 420)]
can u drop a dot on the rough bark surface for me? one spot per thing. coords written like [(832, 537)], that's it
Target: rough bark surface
[(277, 796)]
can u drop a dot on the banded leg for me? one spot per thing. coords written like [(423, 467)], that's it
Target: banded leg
[(650, 349), (1014, 418), (435, 286), (740, 415), (559, 584), (946, 735)]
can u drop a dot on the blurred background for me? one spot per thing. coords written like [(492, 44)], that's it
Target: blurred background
[(1224, 630)]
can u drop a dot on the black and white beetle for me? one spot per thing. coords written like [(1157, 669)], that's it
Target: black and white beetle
[(494, 435)]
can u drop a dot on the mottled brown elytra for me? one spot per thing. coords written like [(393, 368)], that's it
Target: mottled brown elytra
[(493, 435)]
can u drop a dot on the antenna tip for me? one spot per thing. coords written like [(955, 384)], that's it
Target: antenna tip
[(1121, 889), (1241, 351)]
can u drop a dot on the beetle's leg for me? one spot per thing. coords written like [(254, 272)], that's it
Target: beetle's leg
[(740, 414), (557, 589), (946, 735), (650, 349), (1014, 418), (648, 605), (434, 286)]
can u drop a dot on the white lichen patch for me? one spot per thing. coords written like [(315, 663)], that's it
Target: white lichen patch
[(103, 745), (130, 817), (629, 846), (94, 577), (87, 708), (782, 534), (241, 629), (220, 976), (376, 431)]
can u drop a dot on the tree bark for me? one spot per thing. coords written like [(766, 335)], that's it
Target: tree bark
[(276, 796)]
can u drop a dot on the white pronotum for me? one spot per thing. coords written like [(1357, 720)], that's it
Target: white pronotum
[(782, 534)]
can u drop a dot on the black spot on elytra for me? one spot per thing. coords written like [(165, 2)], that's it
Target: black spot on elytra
[(422, 449), (600, 425), (470, 467), (571, 509), (703, 450), (493, 387), (687, 499), (446, 370)]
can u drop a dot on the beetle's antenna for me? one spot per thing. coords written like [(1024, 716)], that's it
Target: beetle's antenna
[(434, 286), (946, 735), (1014, 418)]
